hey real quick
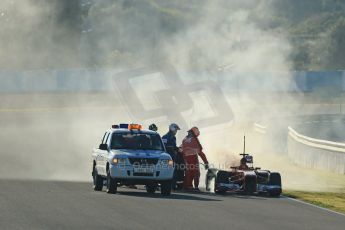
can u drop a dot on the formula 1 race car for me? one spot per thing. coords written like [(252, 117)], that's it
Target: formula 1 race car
[(244, 179)]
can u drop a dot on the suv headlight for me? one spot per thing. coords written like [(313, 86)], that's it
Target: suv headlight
[(167, 162), (119, 161)]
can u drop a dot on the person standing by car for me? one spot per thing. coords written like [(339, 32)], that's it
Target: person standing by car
[(169, 141), (191, 149)]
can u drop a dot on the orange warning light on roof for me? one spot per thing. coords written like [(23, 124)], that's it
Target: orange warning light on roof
[(134, 126)]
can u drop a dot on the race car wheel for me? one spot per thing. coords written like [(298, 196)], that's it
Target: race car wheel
[(151, 188), (111, 184), (262, 177), (249, 185), (166, 188), (222, 177), (97, 181), (275, 179), (274, 193)]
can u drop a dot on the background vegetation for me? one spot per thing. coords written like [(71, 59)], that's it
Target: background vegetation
[(315, 29)]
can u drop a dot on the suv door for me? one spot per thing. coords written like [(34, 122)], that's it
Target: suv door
[(103, 155)]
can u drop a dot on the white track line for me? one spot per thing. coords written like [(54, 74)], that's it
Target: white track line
[(313, 205), (318, 121)]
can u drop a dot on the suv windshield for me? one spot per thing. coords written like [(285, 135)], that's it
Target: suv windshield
[(136, 141)]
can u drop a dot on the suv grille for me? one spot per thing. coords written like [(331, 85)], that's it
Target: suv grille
[(143, 161), (142, 174)]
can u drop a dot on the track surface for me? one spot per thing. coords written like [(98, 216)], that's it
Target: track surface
[(54, 134), (74, 205)]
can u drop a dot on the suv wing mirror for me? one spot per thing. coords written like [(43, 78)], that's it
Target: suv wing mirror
[(103, 147)]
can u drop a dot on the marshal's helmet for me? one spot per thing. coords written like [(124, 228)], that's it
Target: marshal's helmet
[(173, 128), (195, 131)]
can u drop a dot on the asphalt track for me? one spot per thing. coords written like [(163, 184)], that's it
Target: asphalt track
[(41, 141), (74, 205)]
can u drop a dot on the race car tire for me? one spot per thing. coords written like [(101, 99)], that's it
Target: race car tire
[(274, 193), (249, 185), (275, 179), (262, 177), (222, 177), (166, 188), (151, 188), (97, 181), (111, 184)]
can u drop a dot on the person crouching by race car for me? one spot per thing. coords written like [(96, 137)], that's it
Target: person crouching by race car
[(169, 141), (191, 149)]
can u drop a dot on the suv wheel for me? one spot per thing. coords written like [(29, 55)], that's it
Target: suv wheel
[(111, 184), (97, 181), (151, 188)]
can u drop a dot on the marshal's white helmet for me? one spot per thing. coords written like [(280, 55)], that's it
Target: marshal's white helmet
[(173, 127)]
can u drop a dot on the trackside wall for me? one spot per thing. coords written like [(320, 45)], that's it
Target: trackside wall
[(315, 153)]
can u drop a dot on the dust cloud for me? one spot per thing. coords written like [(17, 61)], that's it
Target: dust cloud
[(38, 34), (51, 135)]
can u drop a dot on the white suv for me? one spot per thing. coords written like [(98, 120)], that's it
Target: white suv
[(131, 156)]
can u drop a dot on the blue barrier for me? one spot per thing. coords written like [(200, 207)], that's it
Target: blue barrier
[(55, 81), (331, 79), (88, 80)]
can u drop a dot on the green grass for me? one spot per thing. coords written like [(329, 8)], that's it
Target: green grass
[(331, 200)]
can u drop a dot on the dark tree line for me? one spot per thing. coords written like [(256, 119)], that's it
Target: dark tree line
[(49, 33)]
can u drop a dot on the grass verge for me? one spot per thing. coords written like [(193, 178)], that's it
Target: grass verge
[(331, 200)]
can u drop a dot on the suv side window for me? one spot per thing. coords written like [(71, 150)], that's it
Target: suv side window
[(106, 139)]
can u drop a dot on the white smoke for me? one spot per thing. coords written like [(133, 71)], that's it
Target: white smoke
[(204, 40)]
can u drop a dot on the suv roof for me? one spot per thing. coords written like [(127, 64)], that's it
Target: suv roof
[(119, 130)]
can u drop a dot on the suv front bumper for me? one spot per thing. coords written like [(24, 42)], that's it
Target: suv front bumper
[(155, 173)]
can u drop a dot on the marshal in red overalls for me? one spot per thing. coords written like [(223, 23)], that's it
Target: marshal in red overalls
[(191, 149)]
